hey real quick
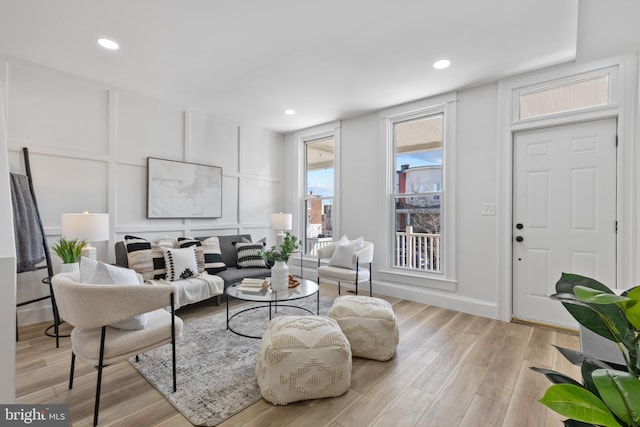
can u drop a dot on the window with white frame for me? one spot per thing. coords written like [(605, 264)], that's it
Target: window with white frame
[(418, 191), (319, 197), (568, 95)]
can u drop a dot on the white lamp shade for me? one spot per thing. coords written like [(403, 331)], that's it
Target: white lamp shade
[(92, 227), (281, 221)]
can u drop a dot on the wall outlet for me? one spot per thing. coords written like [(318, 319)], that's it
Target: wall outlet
[(488, 209)]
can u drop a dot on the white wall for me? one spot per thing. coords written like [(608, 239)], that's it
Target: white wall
[(88, 146), (480, 269), (7, 272), (361, 205)]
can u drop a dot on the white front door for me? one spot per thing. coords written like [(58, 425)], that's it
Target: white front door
[(564, 214)]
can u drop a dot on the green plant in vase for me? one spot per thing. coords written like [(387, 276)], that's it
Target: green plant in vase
[(283, 251), (608, 395), (69, 251)]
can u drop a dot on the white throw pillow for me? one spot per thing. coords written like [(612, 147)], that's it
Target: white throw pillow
[(87, 268), (343, 256), (105, 274), (358, 243), (181, 263)]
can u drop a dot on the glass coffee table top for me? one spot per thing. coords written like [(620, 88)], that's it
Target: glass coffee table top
[(305, 289), (270, 300)]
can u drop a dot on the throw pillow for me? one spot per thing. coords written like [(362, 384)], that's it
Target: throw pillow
[(87, 268), (181, 263), (248, 255), (213, 262), (185, 242), (145, 258), (343, 256), (105, 274), (166, 241)]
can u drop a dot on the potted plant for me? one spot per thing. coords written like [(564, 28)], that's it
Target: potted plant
[(278, 257), (608, 395), (283, 251), (69, 252)]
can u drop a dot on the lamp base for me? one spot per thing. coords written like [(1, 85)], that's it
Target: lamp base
[(280, 237), (89, 252)]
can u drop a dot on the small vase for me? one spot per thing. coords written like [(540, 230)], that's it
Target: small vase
[(280, 276), (71, 267)]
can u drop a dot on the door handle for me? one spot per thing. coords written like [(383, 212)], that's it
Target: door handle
[(519, 238)]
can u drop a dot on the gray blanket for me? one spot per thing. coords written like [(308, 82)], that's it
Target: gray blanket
[(28, 235)]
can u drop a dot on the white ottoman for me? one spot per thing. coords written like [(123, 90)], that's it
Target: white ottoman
[(369, 324), (303, 357)]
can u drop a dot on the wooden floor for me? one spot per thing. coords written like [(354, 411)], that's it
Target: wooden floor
[(451, 369)]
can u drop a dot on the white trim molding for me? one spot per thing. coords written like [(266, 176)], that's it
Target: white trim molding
[(441, 104), (623, 73)]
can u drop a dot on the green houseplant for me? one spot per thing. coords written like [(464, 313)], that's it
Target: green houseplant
[(283, 251), (608, 395), (69, 251)]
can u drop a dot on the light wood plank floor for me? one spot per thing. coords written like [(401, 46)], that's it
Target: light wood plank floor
[(451, 369)]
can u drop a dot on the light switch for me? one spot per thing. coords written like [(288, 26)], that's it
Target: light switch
[(488, 209)]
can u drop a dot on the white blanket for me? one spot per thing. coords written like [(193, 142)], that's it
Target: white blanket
[(193, 289)]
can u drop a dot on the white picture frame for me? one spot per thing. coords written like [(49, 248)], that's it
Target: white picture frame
[(183, 190)]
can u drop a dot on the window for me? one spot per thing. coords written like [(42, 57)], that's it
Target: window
[(568, 96), (319, 192), (418, 192)]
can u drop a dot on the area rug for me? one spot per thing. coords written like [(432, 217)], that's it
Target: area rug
[(215, 367)]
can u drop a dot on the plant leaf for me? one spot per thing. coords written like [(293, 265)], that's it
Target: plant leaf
[(568, 281), (587, 315), (579, 404), (577, 358), (621, 393), (593, 296), (633, 312), (555, 377)]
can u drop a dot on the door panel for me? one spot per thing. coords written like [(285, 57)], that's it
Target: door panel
[(565, 198)]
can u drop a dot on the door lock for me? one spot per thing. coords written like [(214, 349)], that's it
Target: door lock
[(519, 226)]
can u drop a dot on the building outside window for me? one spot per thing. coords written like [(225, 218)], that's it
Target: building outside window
[(319, 193), (418, 194)]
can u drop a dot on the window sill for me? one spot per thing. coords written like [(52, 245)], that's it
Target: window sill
[(418, 279)]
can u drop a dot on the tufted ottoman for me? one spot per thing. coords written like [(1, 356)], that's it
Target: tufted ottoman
[(369, 324), (303, 357)]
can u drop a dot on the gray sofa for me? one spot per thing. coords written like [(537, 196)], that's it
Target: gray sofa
[(231, 275)]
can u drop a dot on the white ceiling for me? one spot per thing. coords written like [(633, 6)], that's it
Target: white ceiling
[(249, 60)]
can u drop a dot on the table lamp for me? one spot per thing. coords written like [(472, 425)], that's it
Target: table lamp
[(91, 227), (281, 222)]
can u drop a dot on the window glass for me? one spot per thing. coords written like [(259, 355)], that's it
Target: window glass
[(419, 192), (576, 95), (319, 194)]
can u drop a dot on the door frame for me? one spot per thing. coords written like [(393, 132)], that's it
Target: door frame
[(624, 86)]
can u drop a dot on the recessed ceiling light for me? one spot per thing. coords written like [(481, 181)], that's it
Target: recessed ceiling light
[(289, 112), (108, 44), (441, 64)]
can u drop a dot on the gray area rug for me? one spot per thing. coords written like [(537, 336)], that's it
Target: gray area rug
[(215, 367)]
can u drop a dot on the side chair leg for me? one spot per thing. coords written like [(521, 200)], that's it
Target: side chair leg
[(72, 370), (173, 342), (100, 365)]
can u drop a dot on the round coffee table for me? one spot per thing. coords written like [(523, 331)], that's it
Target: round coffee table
[(271, 300)]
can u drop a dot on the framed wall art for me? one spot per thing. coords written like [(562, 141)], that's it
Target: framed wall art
[(183, 190)]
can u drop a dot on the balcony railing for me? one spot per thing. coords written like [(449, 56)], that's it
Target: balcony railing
[(417, 251), (315, 243)]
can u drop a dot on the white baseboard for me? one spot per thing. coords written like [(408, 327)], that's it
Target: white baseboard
[(436, 298)]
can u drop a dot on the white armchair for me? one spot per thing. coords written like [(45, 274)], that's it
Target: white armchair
[(346, 264), (91, 308)]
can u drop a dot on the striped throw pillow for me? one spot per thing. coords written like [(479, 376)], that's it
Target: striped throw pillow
[(248, 255), (208, 252), (145, 258)]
